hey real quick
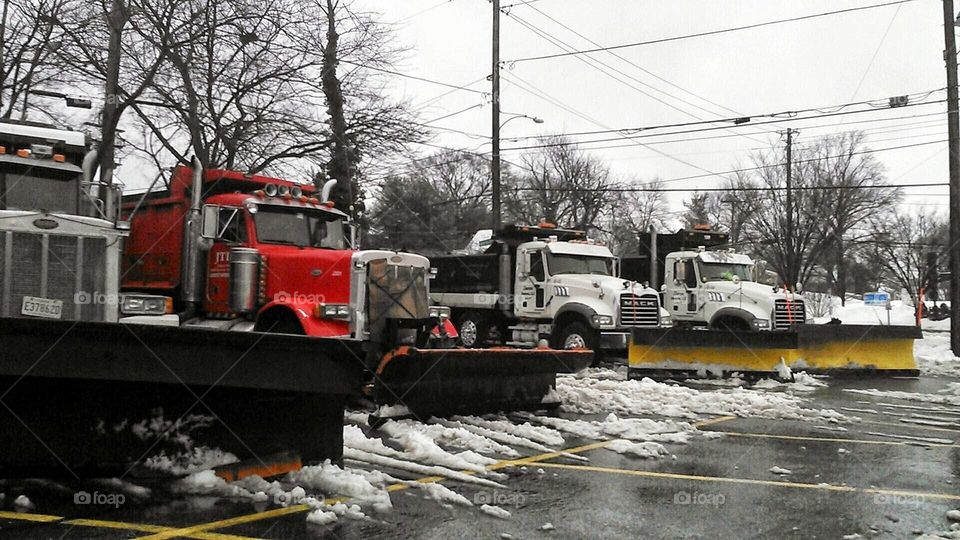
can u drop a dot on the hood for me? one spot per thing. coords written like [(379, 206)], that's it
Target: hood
[(609, 285), (750, 289), (320, 274)]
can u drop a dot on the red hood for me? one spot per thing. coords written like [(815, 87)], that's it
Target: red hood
[(321, 274)]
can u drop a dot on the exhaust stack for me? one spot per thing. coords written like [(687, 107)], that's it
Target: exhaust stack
[(327, 189), (191, 243)]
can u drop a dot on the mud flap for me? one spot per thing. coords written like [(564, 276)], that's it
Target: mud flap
[(834, 350), (443, 382)]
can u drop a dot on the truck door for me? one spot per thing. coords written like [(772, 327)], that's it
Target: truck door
[(231, 232), (530, 286), (681, 290)]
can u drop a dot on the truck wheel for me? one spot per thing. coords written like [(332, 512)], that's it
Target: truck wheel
[(576, 335), (473, 329)]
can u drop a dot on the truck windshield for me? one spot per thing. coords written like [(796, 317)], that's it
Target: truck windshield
[(578, 264), (299, 227), (723, 271), (39, 189)]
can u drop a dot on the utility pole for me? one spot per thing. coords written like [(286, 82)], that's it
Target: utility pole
[(495, 124), (953, 141), (116, 20), (791, 259)]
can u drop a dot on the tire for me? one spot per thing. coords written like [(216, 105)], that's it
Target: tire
[(474, 329), (575, 333)]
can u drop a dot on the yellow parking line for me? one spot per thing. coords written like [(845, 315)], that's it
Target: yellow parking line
[(24, 516), (831, 439), (280, 512), (799, 485)]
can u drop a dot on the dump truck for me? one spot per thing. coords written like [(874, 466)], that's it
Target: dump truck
[(704, 285), (725, 322), (80, 372), (244, 252), (532, 285)]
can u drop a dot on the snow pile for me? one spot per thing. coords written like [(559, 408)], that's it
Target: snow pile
[(856, 312), (934, 356), (648, 397), (443, 495), (193, 459), (24, 503), (629, 429), (642, 450), (323, 514), (330, 479), (420, 446), (359, 447), (495, 511), (456, 435), (802, 382)]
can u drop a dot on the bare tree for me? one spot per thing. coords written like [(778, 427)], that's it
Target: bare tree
[(561, 184), (633, 213), (903, 240), (29, 37)]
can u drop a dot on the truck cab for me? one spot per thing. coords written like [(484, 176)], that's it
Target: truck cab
[(59, 241), (717, 289), (273, 256)]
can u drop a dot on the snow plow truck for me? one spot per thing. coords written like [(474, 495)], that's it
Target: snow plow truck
[(269, 255), (724, 321)]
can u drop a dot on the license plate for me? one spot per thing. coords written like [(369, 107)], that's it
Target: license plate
[(41, 307)]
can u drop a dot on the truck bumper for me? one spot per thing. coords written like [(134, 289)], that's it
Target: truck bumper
[(614, 341)]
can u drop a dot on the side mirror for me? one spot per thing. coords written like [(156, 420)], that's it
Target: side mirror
[(211, 221)]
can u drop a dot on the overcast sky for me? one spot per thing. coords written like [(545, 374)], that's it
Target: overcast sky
[(821, 62)]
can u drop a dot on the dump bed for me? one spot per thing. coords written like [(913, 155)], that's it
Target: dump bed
[(637, 267), (465, 273)]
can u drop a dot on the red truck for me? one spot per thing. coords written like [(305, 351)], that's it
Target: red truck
[(249, 252)]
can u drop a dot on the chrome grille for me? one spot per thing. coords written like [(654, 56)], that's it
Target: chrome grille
[(787, 313), (637, 310), (58, 267)]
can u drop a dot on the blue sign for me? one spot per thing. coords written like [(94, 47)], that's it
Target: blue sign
[(876, 298)]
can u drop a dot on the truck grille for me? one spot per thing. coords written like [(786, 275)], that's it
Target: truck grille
[(636, 310), (58, 267), (785, 314)]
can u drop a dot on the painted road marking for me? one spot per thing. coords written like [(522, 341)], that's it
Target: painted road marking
[(23, 516), (104, 524), (279, 512), (799, 485), (830, 439), (909, 426)]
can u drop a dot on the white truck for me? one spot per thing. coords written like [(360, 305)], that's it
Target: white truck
[(535, 284), (713, 288)]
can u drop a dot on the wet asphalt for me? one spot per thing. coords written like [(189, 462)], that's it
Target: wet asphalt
[(713, 487)]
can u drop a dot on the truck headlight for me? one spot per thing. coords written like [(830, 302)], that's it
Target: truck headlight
[(761, 324), (332, 311), (439, 312), (145, 304), (602, 320)]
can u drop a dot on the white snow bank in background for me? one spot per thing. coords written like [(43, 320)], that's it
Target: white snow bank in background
[(495, 511), (934, 356), (649, 397), (856, 312)]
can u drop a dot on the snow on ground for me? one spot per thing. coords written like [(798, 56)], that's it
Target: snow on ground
[(856, 312), (495, 511), (190, 460), (641, 450), (934, 356), (330, 479), (649, 397), (631, 429)]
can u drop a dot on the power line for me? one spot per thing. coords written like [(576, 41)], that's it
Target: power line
[(733, 188), (699, 130), (707, 33), (783, 116), (414, 77)]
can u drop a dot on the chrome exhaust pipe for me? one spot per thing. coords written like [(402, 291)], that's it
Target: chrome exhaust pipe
[(191, 269), (327, 189)]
